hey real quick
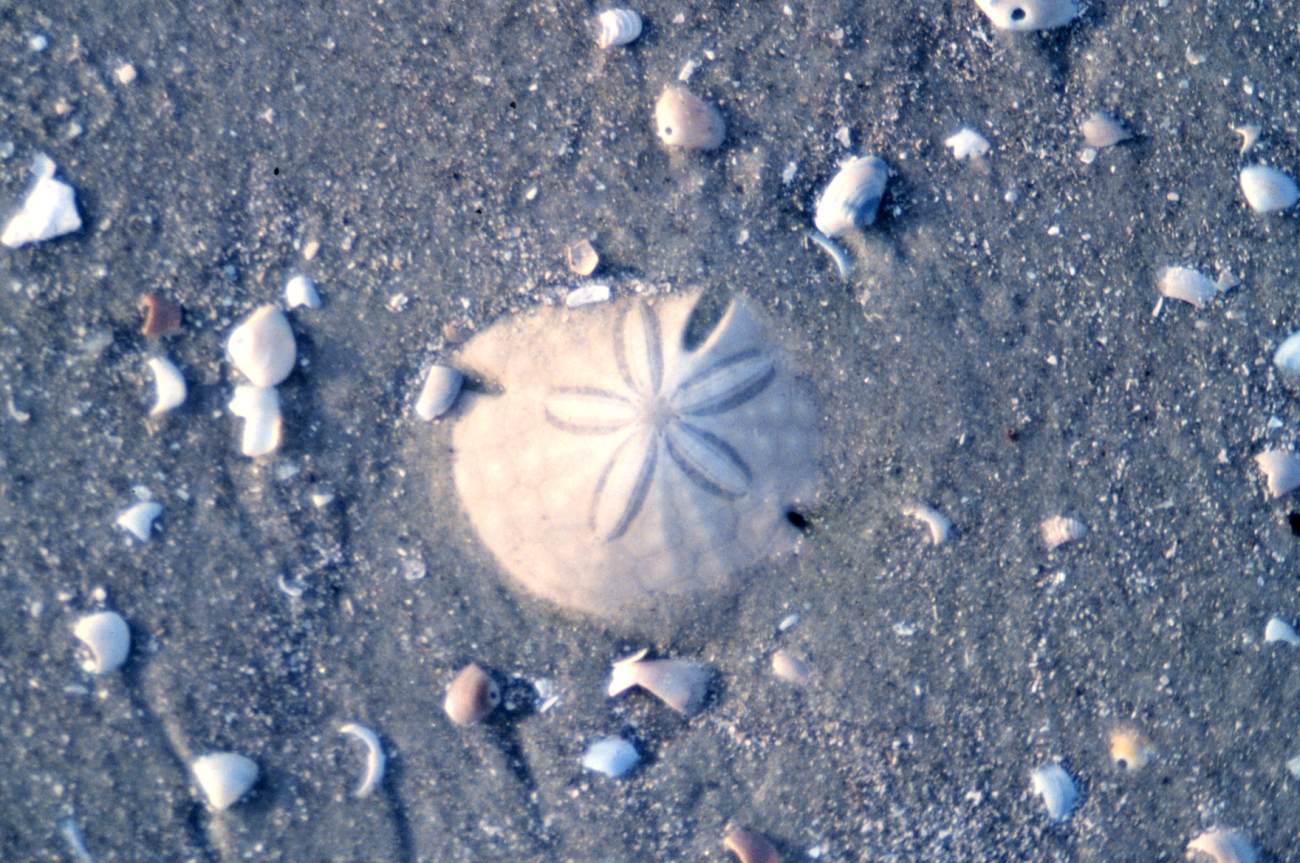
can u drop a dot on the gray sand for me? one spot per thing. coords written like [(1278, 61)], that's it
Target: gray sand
[(997, 359)]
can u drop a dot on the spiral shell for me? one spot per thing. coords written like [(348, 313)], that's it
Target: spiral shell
[(853, 196), (618, 27)]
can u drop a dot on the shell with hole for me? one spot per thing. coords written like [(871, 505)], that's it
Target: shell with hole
[(687, 122), (1129, 749), (852, 197), (1029, 14)]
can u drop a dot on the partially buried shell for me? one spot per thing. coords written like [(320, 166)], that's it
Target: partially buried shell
[(618, 27), (1028, 14), (1058, 530), (441, 386), (1057, 789), (680, 684), (107, 639), (1186, 284), (853, 196), (1268, 189), (1129, 749), (1103, 130), (792, 669), (262, 347), (1223, 846), (750, 846), (1282, 470), (687, 122), (471, 696), (224, 777), (1287, 357), (611, 756)]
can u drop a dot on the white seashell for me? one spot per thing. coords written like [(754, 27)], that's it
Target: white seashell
[(125, 73), (618, 27), (792, 669), (1268, 189), (1223, 846), (1293, 766), (1287, 356), (611, 756), (259, 408), (224, 777), (680, 684), (1103, 130), (1028, 14), (1058, 530), (967, 143), (108, 639), (853, 196), (169, 385), (1186, 284), (1130, 749), (938, 523), (827, 245), (1279, 630), (301, 291), (687, 122), (48, 211), (441, 386), (587, 295), (138, 520), (1282, 469), (262, 347), (1057, 789), (1249, 135), (375, 759)]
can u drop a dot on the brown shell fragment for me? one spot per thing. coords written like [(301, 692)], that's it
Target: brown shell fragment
[(471, 696), (583, 258), (162, 316), (750, 847)]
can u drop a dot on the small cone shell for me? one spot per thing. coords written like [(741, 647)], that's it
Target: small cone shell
[(471, 696), (687, 122), (680, 684), (750, 846)]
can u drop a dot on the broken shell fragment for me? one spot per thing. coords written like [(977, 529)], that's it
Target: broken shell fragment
[(375, 759), (1186, 284), (587, 295), (1268, 189), (687, 122), (169, 385), (441, 386), (262, 347), (471, 696), (162, 316), (1057, 789), (967, 143), (750, 846), (1287, 356), (1028, 14), (1223, 846), (939, 524), (259, 408), (1278, 629), (792, 669), (853, 196), (1058, 530), (107, 638), (1282, 470), (1130, 749), (1103, 130), (224, 777), (301, 291), (680, 684), (583, 259), (611, 756), (618, 27), (48, 211), (138, 520)]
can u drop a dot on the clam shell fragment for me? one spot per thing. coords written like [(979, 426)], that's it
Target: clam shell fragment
[(107, 639), (680, 684), (1278, 629), (611, 756), (138, 520), (1102, 130), (301, 291), (1028, 14), (1222, 846), (618, 27), (852, 197), (169, 386), (1186, 284), (1057, 789), (1268, 189), (262, 347), (1282, 470), (224, 777), (790, 668), (687, 122), (1287, 356), (471, 696), (48, 211), (1058, 530), (375, 760)]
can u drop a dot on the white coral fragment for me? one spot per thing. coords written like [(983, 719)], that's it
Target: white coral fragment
[(967, 143), (1102, 130), (48, 211)]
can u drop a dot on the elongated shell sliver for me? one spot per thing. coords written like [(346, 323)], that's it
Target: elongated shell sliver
[(375, 760)]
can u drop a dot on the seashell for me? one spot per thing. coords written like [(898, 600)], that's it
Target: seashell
[(162, 316), (1028, 14), (259, 408), (938, 523), (375, 759), (1287, 356), (1130, 749), (441, 386), (1279, 630), (792, 669), (687, 122), (138, 520), (1249, 135), (1103, 130), (1281, 468), (262, 347), (125, 73), (1057, 789), (680, 684), (1186, 284), (48, 211), (1223, 846), (108, 639), (827, 245), (611, 756), (587, 295), (169, 384), (471, 696), (750, 846), (1268, 189), (1058, 530), (224, 777), (583, 259), (967, 143), (853, 196), (301, 291), (618, 27)]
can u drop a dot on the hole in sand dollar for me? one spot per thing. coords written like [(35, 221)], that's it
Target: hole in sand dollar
[(626, 472)]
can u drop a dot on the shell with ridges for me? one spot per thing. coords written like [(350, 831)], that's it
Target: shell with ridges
[(108, 639), (618, 27), (1058, 530), (852, 197)]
